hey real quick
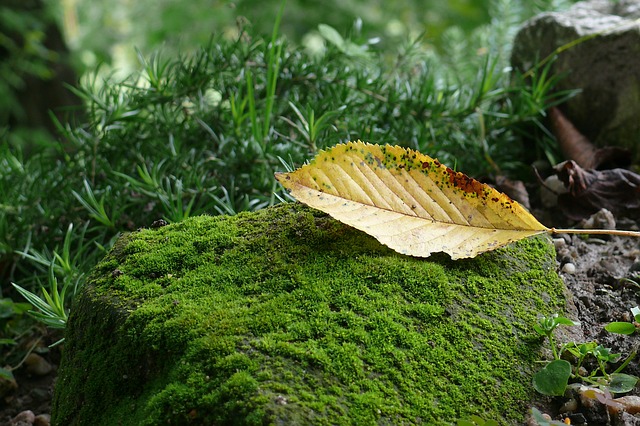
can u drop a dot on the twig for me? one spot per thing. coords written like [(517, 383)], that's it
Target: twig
[(621, 233)]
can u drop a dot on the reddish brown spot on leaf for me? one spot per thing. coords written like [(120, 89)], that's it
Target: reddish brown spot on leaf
[(465, 183), (418, 193)]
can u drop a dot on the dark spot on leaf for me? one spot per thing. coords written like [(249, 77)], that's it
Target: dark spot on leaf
[(465, 183)]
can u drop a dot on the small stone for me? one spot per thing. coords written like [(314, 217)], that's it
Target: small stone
[(24, 418), (550, 190), (281, 400), (602, 219), (37, 365), (42, 420), (570, 406), (40, 394), (569, 268), (630, 403), (559, 243)]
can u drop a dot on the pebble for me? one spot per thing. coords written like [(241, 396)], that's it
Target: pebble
[(549, 192), (42, 420), (569, 268), (602, 219), (570, 406), (37, 365), (24, 418), (629, 403), (559, 243), (27, 418), (598, 241)]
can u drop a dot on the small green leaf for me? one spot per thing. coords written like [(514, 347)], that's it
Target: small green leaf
[(565, 321), (620, 328), (636, 313), (553, 379), (6, 374), (539, 330), (7, 342), (604, 354), (622, 383), (583, 349)]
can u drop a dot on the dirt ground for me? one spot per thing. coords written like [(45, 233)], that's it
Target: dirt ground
[(601, 290), (594, 270)]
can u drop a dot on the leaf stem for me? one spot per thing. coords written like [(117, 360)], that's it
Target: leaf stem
[(619, 232)]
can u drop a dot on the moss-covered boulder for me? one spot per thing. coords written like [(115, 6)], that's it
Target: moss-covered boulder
[(285, 316)]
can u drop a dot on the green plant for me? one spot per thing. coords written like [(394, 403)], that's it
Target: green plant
[(96, 207), (626, 327), (547, 325), (204, 133), (50, 309), (554, 377)]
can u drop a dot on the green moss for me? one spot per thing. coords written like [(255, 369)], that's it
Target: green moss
[(285, 316)]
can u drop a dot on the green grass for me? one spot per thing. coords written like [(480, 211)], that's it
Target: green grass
[(204, 133)]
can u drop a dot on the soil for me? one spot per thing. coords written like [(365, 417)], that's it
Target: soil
[(602, 290), (596, 272)]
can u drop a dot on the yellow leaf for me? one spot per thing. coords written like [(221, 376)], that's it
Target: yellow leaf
[(409, 201)]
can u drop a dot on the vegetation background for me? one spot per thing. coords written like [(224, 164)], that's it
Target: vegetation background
[(166, 109)]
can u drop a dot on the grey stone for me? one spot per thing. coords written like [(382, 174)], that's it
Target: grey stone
[(605, 65)]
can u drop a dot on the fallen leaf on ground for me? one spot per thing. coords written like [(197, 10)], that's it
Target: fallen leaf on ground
[(617, 190), (409, 201), (575, 146)]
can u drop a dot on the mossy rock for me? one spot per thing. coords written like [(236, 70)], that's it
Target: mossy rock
[(286, 316)]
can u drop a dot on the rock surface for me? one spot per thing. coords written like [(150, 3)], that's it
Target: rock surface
[(605, 65), (285, 316)]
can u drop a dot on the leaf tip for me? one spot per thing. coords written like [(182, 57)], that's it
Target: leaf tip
[(281, 177)]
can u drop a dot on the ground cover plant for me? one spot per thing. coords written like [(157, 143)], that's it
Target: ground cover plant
[(204, 133)]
